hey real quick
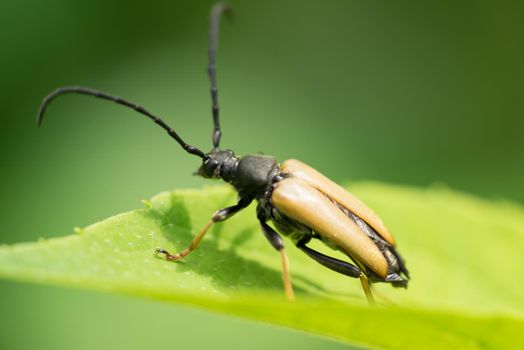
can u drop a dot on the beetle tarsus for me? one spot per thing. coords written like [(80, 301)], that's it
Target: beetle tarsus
[(167, 255), (396, 280), (220, 215)]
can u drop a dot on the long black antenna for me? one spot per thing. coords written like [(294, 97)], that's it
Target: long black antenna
[(214, 22), (90, 92)]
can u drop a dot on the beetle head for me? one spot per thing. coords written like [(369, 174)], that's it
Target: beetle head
[(215, 163)]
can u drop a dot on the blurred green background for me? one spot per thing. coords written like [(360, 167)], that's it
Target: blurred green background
[(404, 92)]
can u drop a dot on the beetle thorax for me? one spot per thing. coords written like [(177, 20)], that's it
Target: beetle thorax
[(254, 174)]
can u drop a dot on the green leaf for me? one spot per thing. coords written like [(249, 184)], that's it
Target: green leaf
[(464, 253)]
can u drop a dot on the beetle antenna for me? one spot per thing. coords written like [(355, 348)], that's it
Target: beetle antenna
[(214, 22), (95, 93)]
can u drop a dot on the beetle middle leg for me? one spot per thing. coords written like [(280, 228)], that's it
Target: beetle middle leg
[(219, 215), (276, 241), (339, 266)]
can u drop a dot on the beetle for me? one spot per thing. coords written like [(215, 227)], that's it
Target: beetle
[(301, 203)]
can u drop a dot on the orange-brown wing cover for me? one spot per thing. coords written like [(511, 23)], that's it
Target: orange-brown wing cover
[(302, 171), (302, 202)]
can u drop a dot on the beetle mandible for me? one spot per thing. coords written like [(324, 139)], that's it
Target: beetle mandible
[(302, 203)]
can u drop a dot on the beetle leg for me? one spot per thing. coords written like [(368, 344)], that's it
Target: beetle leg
[(339, 266), (367, 288), (219, 215), (276, 241)]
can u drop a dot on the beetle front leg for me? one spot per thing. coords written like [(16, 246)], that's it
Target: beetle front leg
[(339, 266), (276, 241), (219, 215)]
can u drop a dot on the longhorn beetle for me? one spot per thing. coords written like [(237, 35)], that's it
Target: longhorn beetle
[(302, 203)]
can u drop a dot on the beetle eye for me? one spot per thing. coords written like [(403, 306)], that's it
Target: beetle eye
[(208, 169)]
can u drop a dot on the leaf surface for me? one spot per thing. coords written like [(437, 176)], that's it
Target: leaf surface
[(464, 255)]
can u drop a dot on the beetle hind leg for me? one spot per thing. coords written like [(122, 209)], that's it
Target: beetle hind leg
[(340, 266), (336, 265), (367, 288)]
